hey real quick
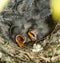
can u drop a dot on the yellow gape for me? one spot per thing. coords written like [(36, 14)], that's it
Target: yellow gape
[(3, 3), (55, 9)]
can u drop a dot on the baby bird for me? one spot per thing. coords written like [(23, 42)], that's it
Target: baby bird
[(29, 20)]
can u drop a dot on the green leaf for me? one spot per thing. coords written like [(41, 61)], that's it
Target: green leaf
[(58, 49), (7, 62), (6, 43), (49, 54)]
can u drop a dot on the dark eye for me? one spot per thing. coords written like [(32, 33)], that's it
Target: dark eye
[(20, 40)]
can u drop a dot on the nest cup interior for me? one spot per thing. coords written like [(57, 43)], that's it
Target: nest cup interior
[(51, 23)]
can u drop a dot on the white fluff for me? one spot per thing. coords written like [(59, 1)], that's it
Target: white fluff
[(0, 54), (37, 48)]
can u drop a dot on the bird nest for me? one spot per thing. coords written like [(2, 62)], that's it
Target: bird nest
[(44, 48)]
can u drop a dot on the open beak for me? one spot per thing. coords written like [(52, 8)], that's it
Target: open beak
[(32, 35), (20, 40)]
